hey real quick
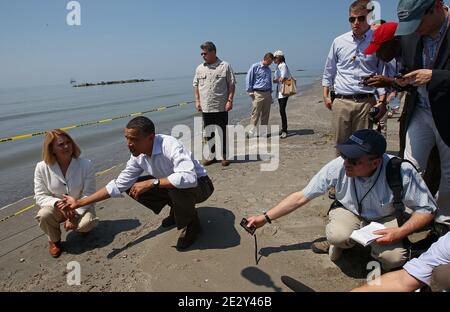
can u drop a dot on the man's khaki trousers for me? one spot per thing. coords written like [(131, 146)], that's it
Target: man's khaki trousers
[(261, 102), (343, 223), (350, 116)]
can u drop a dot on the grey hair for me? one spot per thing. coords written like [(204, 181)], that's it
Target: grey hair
[(208, 46)]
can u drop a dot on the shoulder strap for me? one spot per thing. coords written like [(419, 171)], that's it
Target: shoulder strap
[(395, 182)]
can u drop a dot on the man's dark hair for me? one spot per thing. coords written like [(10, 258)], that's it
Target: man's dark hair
[(142, 124), (360, 5), (268, 56), (208, 46)]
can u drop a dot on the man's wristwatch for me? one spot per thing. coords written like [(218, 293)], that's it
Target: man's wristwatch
[(267, 218), (156, 183)]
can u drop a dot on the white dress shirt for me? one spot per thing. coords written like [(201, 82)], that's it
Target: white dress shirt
[(170, 159), (439, 254), (346, 65), (282, 71), (50, 184)]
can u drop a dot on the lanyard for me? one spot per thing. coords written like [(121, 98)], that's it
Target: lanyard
[(356, 193)]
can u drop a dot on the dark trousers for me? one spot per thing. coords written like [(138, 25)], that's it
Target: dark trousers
[(181, 201), (221, 120), (283, 103)]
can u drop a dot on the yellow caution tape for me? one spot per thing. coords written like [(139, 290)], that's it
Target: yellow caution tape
[(159, 109)]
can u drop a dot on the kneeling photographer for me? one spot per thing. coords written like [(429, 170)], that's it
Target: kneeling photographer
[(363, 195)]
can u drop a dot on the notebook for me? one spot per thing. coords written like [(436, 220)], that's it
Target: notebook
[(365, 236)]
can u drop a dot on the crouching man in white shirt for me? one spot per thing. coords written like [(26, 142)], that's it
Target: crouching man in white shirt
[(175, 179)]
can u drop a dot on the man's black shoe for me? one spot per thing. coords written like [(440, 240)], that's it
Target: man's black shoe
[(168, 221), (189, 235)]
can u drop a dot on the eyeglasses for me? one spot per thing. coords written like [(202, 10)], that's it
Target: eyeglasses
[(356, 161), (360, 19), (352, 161)]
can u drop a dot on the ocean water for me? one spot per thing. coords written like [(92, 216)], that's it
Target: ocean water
[(35, 109)]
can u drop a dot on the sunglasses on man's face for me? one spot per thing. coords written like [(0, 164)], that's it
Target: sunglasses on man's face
[(356, 161), (352, 161), (360, 19)]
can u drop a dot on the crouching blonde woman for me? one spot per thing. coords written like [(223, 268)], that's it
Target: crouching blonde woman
[(62, 172)]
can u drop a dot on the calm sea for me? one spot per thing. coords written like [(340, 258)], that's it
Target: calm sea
[(36, 109)]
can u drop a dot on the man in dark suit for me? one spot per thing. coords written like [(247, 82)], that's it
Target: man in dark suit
[(424, 27)]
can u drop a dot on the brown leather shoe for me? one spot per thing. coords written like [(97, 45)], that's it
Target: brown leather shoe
[(332, 193), (189, 235), (207, 163), (320, 246), (225, 163), (55, 249)]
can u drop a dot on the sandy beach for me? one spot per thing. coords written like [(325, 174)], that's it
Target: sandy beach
[(129, 251)]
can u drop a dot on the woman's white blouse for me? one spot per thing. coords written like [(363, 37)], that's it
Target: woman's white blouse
[(50, 184)]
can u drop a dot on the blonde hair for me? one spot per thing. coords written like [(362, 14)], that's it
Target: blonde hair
[(47, 149)]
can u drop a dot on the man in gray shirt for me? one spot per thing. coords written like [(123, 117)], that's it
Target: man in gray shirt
[(362, 190), (214, 87)]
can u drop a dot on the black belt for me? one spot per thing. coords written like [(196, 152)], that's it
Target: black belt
[(262, 90), (358, 96)]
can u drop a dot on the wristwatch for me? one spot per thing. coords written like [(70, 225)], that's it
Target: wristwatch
[(267, 218), (156, 183)]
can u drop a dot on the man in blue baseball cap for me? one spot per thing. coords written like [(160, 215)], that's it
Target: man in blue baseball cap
[(424, 27), (410, 14), (363, 195)]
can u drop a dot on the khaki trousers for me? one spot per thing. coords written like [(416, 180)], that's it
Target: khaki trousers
[(50, 218), (343, 223), (261, 102), (350, 116)]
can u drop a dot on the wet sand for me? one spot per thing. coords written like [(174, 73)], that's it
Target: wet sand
[(128, 251)]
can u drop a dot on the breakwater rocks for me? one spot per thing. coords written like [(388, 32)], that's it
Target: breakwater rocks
[(107, 83)]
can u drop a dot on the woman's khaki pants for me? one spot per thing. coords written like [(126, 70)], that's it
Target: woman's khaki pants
[(50, 218)]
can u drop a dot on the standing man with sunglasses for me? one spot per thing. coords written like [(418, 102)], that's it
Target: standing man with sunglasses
[(363, 195), (345, 70), (425, 30), (214, 88)]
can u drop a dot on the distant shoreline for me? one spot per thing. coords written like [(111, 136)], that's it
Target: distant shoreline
[(105, 83)]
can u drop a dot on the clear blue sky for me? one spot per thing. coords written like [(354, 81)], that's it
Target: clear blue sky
[(160, 38)]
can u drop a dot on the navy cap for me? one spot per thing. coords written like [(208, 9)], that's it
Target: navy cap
[(363, 142), (410, 13)]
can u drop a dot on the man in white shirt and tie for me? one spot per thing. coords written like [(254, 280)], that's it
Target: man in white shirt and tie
[(175, 179)]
